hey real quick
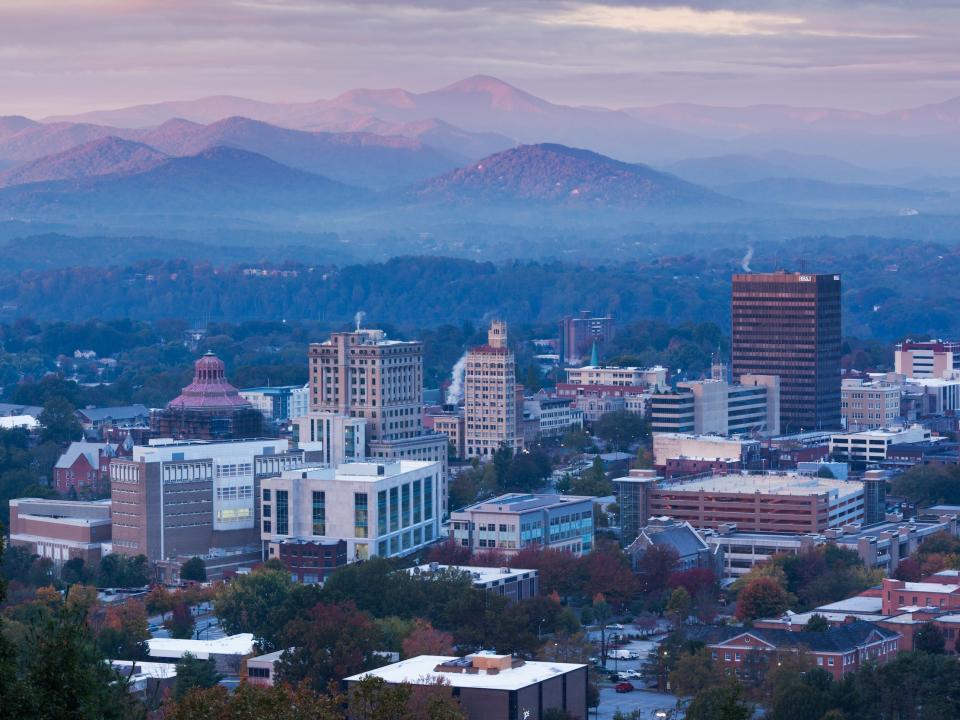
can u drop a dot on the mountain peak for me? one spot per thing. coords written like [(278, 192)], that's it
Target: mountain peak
[(103, 156), (564, 176)]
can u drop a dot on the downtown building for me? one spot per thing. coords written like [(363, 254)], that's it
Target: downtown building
[(492, 405), (715, 406), (788, 325), (366, 401), (379, 509), (209, 408), (581, 334), (179, 499)]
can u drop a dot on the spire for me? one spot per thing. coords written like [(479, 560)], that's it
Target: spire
[(595, 355)]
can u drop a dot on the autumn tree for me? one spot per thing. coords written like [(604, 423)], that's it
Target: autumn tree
[(694, 673), (719, 702), (424, 639), (181, 621), (329, 642), (763, 597)]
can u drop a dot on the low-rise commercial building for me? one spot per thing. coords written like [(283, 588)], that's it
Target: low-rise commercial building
[(552, 416), (651, 377), (775, 502), (262, 669), (517, 520), (512, 583), (668, 446), (84, 467), (227, 652), (60, 529), (495, 687), (870, 446), (309, 561), (716, 406), (839, 650), (378, 508)]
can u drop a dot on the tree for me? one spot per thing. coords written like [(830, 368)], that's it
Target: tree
[(277, 702), (695, 673), (424, 639), (59, 421), (929, 639), (654, 568), (679, 605), (194, 569), (192, 672), (722, 702), (181, 621), (329, 642), (248, 603), (159, 601), (123, 632), (58, 672), (817, 623), (74, 571), (620, 428), (601, 614), (593, 482), (763, 597)]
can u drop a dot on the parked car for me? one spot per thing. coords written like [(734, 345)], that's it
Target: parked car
[(624, 687), (616, 626)]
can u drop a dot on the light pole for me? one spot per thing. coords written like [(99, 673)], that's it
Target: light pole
[(540, 628)]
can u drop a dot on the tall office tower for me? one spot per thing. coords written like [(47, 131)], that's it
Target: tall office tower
[(579, 334), (489, 392), (362, 374), (788, 324)]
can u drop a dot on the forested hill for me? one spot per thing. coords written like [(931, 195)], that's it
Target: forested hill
[(891, 288)]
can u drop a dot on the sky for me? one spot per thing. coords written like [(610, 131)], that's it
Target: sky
[(70, 56)]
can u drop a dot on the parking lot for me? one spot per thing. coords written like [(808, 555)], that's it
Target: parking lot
[(645, 701)]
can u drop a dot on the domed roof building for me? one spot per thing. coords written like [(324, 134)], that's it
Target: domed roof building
[(209, 408)]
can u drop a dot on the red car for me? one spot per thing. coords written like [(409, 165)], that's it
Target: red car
[(624, 687)]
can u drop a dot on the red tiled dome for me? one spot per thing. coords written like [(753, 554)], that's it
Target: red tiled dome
[(209, 388)]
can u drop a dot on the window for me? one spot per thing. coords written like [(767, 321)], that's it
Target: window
[(830, 661), (405, 506), (820, 661), (382, 514), (319, 513), (360, 515), (417, 502), (428, 498), (266, 526), (394, 510), (266, 494), (256, 672), (283, 513)]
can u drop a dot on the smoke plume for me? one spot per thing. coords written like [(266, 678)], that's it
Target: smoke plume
[(455, 391)]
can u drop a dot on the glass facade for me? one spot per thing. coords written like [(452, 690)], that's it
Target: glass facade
[(382, 512)]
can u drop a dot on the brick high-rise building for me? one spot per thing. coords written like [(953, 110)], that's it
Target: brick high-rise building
[(788, 324), (363, 374), (489, 393)]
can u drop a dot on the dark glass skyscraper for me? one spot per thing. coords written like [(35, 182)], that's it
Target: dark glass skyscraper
[(788, 324)]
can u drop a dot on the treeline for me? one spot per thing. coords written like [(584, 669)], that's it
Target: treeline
[(892, 288)]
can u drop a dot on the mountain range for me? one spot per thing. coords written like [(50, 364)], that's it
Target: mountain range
[(478, 150), (503, 113)]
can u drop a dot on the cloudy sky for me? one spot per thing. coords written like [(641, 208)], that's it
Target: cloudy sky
[(68, 56)]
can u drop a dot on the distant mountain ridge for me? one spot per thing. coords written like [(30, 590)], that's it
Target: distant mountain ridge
[(556, 175), (213, 182), (106, 156)]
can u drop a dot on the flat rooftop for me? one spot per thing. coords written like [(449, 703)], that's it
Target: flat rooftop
[(524, 502), (788, 484), (421, 670), (483, 575), (241, 644), (922, 587), (857, 605), (358, 471)]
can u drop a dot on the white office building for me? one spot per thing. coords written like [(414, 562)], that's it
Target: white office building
[(379, 508), (871, 446)]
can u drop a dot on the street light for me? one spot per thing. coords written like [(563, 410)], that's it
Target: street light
[(540, 628)]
